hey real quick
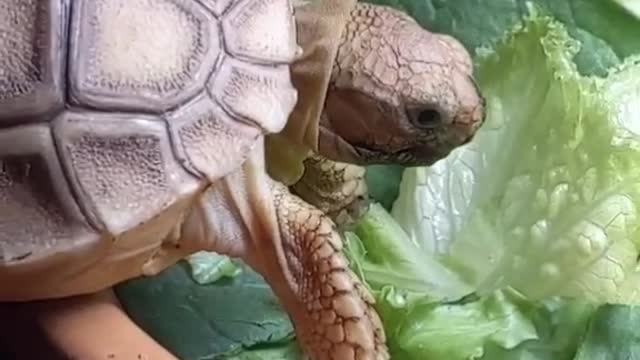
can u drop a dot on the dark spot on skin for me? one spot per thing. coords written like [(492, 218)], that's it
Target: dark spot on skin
[(111, 356)]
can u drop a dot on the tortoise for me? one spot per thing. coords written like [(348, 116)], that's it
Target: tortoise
[(132, 134), (374, 88)]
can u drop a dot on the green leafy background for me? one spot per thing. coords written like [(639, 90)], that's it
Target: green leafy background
[(237, 317), (200, 321), (604, 27)]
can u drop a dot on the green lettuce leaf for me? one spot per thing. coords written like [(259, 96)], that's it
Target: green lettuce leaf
[(418, 324), (560, 324), (613, 334), (392, 259), (432, 331), (631, 6), (545, 199), (286, 351), (501, 325), (206, 322), (208, 267), (382, 182)]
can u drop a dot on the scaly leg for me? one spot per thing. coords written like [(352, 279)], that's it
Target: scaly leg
[(340, 322), (337, 189), (297, 249)]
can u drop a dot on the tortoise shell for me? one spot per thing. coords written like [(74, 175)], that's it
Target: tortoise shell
[(114, 116)]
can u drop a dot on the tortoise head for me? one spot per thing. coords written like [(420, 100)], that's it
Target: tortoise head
[(398, 93)]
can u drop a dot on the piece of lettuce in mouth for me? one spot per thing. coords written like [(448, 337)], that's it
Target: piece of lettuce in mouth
[(545, 198)]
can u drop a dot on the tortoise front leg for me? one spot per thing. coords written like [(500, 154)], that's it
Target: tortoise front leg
[(338, 189), (296, 248), (334, 316)]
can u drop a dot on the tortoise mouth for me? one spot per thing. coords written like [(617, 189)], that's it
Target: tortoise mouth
[(406, 157), (336, 148)]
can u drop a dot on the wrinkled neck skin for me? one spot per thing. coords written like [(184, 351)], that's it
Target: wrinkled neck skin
[(387, 71)]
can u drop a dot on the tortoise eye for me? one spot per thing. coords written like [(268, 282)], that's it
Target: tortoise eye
[(429, 118)]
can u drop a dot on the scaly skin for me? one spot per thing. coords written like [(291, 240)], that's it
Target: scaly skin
[(340, 321), (398, 93), (388, 72), (338, 189), (296, 248)]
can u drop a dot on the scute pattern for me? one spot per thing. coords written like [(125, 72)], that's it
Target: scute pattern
[(146, 59), (38, 215), (217, 6), (30, 65), (122, 167), (260, 94), (111, 117), (141, 55), (254, 29), (207, 140)]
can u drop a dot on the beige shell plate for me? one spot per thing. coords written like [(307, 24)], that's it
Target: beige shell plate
[(114, 114)]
